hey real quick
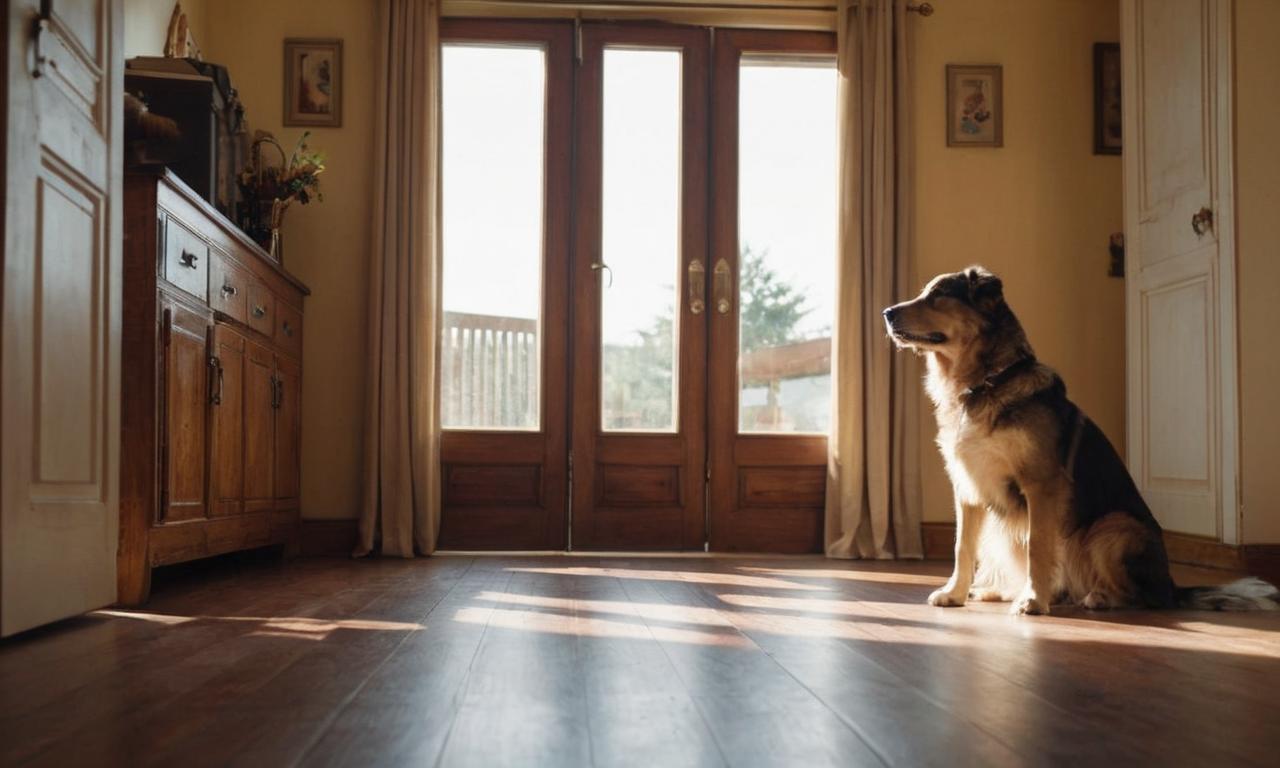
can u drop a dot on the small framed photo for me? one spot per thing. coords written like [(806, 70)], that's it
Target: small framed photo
[(975, 105), (1106, 99), (313, 82)]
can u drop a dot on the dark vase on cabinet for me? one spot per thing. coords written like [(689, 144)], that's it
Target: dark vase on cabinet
[(211, 388)]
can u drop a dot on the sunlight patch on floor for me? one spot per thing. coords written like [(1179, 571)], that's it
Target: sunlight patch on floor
[(876, 576), (690, 577), (586, 626), (297, 627)]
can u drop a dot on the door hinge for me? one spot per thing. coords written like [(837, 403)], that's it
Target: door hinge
[(568, 542)]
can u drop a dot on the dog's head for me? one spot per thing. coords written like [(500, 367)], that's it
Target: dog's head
[(952, 312)]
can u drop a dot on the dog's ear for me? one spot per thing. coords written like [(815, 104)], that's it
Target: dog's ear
[(985, 289)]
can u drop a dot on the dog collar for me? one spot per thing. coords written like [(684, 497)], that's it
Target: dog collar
[(1001, 376)]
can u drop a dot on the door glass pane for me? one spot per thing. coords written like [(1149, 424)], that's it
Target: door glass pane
[(493, 116), (640, 239), (787, 226)]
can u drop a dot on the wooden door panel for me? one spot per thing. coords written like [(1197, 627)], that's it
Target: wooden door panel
[(767, 491), (183, 446), (288, 406), (60, 309), (226, 437), (634, 489), (1180, 291), (259, 428), (506, 489)]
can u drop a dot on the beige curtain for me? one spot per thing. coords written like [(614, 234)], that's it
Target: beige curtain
[(873, 484), (401, 511)]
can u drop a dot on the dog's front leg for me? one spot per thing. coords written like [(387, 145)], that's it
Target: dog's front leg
[(1046, 505), (969, 519)]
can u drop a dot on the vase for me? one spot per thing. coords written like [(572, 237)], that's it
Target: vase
[(278, 207)]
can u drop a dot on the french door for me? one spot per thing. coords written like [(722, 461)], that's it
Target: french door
[(627, 361)]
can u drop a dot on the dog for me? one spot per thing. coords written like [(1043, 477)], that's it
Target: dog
[(1046, 512)]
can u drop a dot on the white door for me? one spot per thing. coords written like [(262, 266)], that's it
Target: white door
[(1180, 295), (60, 342)]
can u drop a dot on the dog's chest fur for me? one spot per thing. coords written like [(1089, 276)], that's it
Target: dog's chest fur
[(980, 461)]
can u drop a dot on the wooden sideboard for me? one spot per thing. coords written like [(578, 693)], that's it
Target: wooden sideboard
[(211, 390)]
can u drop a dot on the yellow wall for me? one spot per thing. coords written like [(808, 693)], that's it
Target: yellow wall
[(1038, 211), (325, 244), (1258, 261), (146, 23)]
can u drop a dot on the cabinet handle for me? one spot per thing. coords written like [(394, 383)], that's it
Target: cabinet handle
[(279, 393), (723, 279), (229, 290), (274, 390), (215, 370), (188, 259), (288, 329), (697, 286), (259, 310)]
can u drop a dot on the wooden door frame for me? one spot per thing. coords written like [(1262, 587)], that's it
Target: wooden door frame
[(686, 448), (472, 458), (745, 512)]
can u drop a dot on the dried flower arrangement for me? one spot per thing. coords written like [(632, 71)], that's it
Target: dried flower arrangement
[(270, 189)]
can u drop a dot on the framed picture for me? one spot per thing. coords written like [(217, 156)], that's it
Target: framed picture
[(975, 105), (1106, 99), (313, 82)]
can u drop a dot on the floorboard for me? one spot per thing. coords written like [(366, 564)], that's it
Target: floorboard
[(602, 660)]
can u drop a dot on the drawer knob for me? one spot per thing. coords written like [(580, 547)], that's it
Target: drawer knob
[(259, 310), (188, 259), (229, 290), (288, 329)]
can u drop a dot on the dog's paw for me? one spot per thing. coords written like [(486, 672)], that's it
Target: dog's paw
[(1096, 601), (945, 598), (989, 595), (1030, 605)]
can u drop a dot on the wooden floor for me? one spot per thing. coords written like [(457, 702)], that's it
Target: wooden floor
[(551, 661)]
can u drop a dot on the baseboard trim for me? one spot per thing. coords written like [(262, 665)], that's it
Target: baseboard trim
[(939, 540), (1255, 559), (329, 538)]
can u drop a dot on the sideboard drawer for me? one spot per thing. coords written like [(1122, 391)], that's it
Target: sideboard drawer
[(229, 288), (262, 310), (186, 259), (288, 328)]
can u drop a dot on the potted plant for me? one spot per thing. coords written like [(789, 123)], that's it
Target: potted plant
[(269, 190)]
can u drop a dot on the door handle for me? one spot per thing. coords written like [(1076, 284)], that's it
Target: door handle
[(596, 266), (1202, 221), (697, 286), (722, 279)]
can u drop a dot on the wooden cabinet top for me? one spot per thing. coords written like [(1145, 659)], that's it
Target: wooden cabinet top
[(228, 235)]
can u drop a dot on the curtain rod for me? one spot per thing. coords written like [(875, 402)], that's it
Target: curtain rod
[(924, 9)]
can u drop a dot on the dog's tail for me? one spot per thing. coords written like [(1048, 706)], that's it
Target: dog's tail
[(1251, 594)]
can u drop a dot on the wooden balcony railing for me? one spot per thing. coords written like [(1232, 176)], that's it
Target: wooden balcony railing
[(489, 371)]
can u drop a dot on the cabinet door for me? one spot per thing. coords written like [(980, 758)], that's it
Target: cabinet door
[(186, 397), (288, 428), (226, 438), (259, 427)]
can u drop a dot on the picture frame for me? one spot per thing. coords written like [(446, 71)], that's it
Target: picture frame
[(975, 105), (313, 82), (1107, 122)]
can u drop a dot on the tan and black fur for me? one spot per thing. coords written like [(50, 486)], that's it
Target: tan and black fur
[(1046, 511)]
